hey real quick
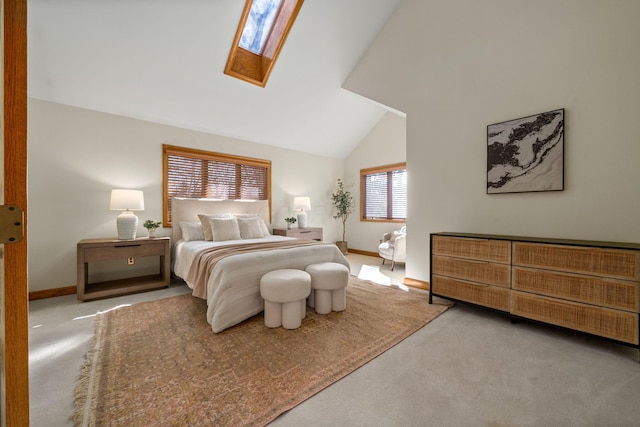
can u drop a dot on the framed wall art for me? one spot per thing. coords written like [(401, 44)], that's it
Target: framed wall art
[(527, 154)]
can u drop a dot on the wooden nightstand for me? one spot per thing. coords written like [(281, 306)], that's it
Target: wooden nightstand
[(95, 250), (313, 233)]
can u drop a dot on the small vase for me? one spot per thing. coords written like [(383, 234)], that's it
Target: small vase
[(288, 226), (152, 233)]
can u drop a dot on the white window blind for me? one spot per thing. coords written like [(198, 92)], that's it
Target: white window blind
[(384, 193)]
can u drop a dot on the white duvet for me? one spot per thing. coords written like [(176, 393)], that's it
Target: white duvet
[(233, 288)]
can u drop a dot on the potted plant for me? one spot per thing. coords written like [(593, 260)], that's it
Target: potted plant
[(290, 220), (151, 227), (343, 201)]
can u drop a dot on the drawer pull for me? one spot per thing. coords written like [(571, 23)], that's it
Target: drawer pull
[(127, 246)]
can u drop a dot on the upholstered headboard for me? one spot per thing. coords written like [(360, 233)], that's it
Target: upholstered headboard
[(188, 210)]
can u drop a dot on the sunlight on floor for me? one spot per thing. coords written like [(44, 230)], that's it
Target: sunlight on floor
[(373, 274), (104, 311), (56, 349)]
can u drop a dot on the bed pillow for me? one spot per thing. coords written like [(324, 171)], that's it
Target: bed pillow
[(265, 229), (191, 231), (206, 225), (224, 229), (250, 228)]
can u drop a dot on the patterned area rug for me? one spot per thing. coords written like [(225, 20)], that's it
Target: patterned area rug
[(159, 363)]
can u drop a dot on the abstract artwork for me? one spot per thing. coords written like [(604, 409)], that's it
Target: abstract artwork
[(526, 154)]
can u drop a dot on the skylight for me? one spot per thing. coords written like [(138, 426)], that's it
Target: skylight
[(261, 33), (258, 26)]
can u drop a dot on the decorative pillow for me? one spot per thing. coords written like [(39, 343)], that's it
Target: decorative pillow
[(206, 225), (191, 231), (265, 229), (250, 228), (224, 229)]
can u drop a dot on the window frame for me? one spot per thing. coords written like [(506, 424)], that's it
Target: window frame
[(253, 68), (389, 169), (205, 156)]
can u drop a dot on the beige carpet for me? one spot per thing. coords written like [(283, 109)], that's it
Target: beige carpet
[(159, 363)]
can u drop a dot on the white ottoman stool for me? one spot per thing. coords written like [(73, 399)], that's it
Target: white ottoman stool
[(285, 293), (329, 282)]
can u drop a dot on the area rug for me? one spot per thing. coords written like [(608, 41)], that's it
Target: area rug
[(159, 362)]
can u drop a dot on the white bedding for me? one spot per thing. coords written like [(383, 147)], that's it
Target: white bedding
[(185, 252), (233, 285), (233, 288)]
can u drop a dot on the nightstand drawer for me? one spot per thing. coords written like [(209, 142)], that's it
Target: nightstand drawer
[(312, 233), (305, 234), (122, 251)]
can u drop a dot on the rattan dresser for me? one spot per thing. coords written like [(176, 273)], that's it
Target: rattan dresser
[(589, 286)]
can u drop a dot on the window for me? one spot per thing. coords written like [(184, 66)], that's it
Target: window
[(203, 174), (263, 28), (258, 25), (383, 193)]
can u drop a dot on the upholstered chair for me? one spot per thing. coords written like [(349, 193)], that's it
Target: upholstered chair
[(393, 247)]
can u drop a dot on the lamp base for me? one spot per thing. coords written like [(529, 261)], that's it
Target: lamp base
[(127, 224), (302, 220)]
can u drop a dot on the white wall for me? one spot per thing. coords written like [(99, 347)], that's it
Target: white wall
[(77, 156), (456, 66), (385, 144)]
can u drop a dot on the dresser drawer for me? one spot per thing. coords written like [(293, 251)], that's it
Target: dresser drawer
[(614, 324), (475, 271), (486, 295), (478, 249), (618, 263), (612, 293)]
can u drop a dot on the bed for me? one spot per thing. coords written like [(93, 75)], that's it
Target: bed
[(226, 270)]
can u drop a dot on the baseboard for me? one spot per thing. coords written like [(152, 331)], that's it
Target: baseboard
[(50, 293), (414, 283), (71, 290), (367, 253)]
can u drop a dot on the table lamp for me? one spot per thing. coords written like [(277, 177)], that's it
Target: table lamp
[(127, 201), (302, 204)]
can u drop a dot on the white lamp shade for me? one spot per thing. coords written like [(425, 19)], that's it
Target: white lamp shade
[(123, 200), (302, 203), (127, 201)]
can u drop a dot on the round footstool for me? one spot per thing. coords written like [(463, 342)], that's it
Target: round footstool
[(329, 282), (285, 293)]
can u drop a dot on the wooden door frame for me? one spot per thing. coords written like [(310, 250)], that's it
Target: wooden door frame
[(15, 319)]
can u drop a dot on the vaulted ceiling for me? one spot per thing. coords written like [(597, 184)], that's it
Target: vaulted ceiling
[(163, 61)]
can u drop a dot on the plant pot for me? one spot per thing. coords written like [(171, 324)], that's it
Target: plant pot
[(152, 232), (343, 247)]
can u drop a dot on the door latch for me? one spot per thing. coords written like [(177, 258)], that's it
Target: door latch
[(11, 224)]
